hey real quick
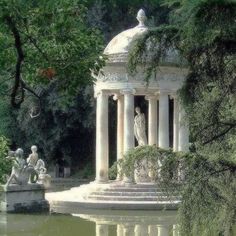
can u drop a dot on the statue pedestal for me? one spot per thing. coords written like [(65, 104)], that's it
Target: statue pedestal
[(23, 198)]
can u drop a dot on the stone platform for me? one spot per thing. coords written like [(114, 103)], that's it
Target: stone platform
[(23, 198), (113, 195)]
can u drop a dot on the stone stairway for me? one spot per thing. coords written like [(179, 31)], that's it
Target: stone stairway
[(134, 193), (114, 195)]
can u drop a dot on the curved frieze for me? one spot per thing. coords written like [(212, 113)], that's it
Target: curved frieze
[(125, 77), (112, 77)]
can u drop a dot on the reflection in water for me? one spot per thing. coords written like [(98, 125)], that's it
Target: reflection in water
[(91, 223), (134, 223)]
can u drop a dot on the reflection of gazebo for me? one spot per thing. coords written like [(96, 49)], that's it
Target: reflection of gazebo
[(134, 223), (114, 80)]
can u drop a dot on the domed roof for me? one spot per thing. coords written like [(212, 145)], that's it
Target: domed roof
[(119, 47), (122, 43)]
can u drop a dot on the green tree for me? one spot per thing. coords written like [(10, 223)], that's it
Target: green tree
[(41, 41), (60, 44), (60, 132), (47, 52), (204, 33)]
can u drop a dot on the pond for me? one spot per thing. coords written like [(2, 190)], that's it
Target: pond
[(90, 223)]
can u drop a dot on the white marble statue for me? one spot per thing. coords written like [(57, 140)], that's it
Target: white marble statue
[(32, 162), (140, 127), (40, 175), (33, 157), (43, 177), (20, 171)]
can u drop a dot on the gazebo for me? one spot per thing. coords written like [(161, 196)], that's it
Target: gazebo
[(114, 80)]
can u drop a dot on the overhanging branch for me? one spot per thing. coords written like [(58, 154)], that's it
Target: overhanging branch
[(221, 134), (20, 58)]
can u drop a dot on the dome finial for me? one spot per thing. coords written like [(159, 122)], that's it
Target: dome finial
[(141, 17)]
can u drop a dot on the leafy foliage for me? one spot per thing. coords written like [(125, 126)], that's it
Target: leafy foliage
[(60, 133), (113, 16), (5, 164), (60, 43), (203, 32), (153, 156), (207, 42), (208, 189), (208, 205), (47, 49), (161, 41), (47, 53), (47, 40)]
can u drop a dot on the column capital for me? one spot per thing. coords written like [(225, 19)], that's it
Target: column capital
[(174, 95), (164, 92), (151, 97), (101, 92), (117, 96), (128, 91)]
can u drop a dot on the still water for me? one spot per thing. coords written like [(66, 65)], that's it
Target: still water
[(90, 223)]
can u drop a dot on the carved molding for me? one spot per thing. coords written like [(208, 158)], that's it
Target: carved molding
[(128, 91), (125, 77), (151, 97)]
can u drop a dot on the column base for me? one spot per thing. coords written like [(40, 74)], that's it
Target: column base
[(119, 179), (101, 181), (127, 180)]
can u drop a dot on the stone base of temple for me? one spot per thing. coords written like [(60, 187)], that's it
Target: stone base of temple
[(23, 198), (113, 195)]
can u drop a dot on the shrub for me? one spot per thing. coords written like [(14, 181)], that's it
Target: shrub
[(162, 161), (5, 164)]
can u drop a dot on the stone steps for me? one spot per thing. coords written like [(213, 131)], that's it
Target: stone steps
[(127, 193), (131, 193), (135, 186), (133, 198), (131, 190), (115, 195)]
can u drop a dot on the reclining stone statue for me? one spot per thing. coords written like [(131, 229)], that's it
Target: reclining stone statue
[(20, 171), (30, 171)]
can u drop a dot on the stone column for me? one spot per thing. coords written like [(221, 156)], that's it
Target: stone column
[(128, 230), (183, 130), (176, 123), (152, 230), (152, 120), (102, 137), (163, 230), (128, 119), (128, 124), (120, 129), (183, 139), (119, 230), (164, 141), (141, 230), (175, 230), (101, 229)]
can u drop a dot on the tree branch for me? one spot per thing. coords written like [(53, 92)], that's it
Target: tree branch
[(34, 42), (220, 134), (29, 89), (32, 115), (20, 58)]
